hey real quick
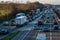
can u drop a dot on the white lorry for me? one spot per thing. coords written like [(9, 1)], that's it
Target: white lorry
[(21, 20), (38, 11)]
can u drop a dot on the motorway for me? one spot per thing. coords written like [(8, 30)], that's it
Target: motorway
[(26, 35), (28, 28), (31, 25), (27, 32), (32, 34), (53, 35)]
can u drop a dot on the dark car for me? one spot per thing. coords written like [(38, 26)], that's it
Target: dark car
[(55, 23), (36, 28), (40, 23), (56, 28), (6, 23), (4, 31)]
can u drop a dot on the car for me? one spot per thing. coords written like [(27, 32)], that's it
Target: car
[(4, 31), (55, 23), (36, 28), (12, 23), (47, 21), (5, 23), (53, 17), (41, 36), (56, 28), (48, 17), (40, 23)]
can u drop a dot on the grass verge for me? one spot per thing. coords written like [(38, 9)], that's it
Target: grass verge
[(10, 36)]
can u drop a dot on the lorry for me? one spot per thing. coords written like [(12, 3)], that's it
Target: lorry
[(21, 20), (37, 11), (20, 14)]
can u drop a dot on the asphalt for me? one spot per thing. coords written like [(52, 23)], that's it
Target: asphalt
[(20, 35), (32, 35), (26, 35), (27, 32), (31, 25), (28, 28), (53, 35)]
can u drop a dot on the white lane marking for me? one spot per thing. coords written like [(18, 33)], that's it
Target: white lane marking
[(50, 36), (25, 35)]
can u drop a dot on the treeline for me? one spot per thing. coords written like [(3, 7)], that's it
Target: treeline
[(9, 10)]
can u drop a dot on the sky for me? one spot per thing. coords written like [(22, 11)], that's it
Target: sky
[(41, 1)]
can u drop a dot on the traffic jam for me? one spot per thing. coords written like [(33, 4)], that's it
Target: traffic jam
[(46, 23)]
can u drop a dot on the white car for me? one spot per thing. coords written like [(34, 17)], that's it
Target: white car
[(5, 23), (41, 37)]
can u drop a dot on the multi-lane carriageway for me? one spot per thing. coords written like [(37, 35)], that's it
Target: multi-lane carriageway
[(49, 16), (29, 34), (26, 35), (32, 34)]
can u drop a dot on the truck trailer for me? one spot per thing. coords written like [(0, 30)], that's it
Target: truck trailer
[(20, 21)]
